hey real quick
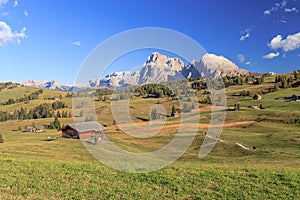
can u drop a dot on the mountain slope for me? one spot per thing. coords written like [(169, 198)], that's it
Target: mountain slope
[(212, 65)]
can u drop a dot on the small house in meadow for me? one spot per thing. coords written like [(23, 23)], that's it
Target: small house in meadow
[(84, 130)]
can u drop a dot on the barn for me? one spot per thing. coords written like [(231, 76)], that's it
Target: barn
[(84, 130)]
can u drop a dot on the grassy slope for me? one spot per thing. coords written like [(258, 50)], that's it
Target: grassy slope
[(33, 168)]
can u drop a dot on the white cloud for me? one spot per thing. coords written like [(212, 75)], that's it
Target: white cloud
[(3, 2), (291, 10), (271, 55), (244, 37), (26, 13), (267, 12), (291, 43), (282, 6), (246, 33), (77, 43), (283, 21), (7, 36), (241, 58), (16, 3)]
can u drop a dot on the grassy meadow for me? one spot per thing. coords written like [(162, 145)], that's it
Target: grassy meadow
[(46, 166)]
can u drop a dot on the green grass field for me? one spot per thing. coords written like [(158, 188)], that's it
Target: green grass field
[(45, 166)]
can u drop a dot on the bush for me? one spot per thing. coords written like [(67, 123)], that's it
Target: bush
[(1, 139)]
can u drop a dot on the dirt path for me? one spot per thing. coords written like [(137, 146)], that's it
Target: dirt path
[(203, 126)]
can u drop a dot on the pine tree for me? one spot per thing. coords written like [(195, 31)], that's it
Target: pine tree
[(260, 106), (81, 113), (173, 111), (154, 114), (284, 83), (56, 123), (58, 114)]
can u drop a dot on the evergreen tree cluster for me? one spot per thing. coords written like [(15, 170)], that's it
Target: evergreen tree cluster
[(154, 90), (102, 94), (188, 107), (55, 124), (201, 84), (8, 85), (245, 93), (40, 111), (284, 81), (26, 98), (154, 114)]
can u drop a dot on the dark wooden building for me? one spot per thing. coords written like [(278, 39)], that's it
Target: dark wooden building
[(84, 130)]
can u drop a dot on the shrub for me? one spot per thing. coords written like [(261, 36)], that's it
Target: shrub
[(1, 139)]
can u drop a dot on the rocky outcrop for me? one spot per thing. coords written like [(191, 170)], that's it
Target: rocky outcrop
[(117, 79), (211, 66)]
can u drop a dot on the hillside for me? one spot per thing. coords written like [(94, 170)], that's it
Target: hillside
[(233, 168)]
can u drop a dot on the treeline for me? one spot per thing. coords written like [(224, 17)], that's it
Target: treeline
[(288, 81), (154, 90), (26, 98), (280, 118), (8, 85), (201, 83), (40, 111)]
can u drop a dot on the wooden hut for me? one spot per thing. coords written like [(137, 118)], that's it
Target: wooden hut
[(84, 130)]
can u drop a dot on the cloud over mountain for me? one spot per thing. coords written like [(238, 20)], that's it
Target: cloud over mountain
[(7, 36), (290, 43)]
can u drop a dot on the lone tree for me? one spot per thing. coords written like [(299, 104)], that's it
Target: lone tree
[(154, 114), (55, 124), (1, 139), (173, 111)]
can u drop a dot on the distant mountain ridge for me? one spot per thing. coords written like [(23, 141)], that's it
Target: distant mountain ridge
[(51, 85), (158, 68)]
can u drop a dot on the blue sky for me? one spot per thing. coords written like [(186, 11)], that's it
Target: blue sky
[(50, 39)]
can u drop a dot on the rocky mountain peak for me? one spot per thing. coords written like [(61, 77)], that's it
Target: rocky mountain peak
[(159, 60)]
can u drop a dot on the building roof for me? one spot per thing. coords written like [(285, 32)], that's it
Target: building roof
[(87, 126)]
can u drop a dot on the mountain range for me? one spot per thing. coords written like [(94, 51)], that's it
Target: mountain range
[(51, 85), (160, 68), (157, 68)]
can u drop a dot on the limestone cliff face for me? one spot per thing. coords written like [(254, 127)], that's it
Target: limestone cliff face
[(211, 66), (117, 79), (160, 68)]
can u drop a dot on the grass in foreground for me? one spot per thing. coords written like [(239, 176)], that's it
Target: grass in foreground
[(50, 180)]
